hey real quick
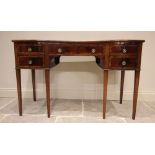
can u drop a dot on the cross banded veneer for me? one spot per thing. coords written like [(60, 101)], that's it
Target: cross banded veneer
[(110, 55)]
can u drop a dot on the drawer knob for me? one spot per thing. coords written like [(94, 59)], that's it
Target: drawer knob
[(30, 62), (124, 63), (93, 50), (29, 49), (124, 50), (60, 50)]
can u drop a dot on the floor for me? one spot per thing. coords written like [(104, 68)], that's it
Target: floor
[(74, 111)]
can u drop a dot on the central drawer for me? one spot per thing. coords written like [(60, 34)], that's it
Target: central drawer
[(91, 49), (64, 49), (31, 61)]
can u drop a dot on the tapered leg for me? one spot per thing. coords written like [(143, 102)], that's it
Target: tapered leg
[(34, 84), (135, 95), (18, 77), (105, 92), (122, 85), (47, 79)]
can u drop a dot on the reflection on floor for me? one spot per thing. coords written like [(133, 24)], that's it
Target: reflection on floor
[(74, 111)]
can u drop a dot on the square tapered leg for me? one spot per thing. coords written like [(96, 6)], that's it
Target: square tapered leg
[(47, 79), (122, 85), (105, 92), (33, 84), (135, 95), (19, 91)]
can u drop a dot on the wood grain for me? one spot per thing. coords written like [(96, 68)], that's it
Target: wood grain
[(109, 55)]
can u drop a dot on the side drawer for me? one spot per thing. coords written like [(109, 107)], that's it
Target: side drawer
[(29, 48), (123, 49), (31, 61), (120, 63)]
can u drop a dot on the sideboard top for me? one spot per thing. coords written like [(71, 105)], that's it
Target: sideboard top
[(60, 41)]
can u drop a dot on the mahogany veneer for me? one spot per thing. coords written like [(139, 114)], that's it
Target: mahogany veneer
[(110, 55)]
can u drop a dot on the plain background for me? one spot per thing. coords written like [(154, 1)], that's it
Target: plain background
[(78, 77)]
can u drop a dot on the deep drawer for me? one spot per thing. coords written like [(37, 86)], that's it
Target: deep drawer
[(122, 63), (26, 61)]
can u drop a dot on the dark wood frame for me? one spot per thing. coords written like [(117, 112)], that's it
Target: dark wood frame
[(120, 55)]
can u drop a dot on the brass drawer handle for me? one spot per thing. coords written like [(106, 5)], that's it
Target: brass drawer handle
[(93, 50), (124, 63), (60, 50), (30, 62), (124, 50), (29, 49)]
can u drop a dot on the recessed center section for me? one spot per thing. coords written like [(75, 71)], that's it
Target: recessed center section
[(77, 58)]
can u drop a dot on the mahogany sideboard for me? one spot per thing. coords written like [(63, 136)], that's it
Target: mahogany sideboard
[(110, 55)]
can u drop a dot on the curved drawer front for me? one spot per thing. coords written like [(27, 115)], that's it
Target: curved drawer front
[(123, 49), (122, 63), (91, 49), (30, 61), (30, 48), (64, 49), (61, 49)]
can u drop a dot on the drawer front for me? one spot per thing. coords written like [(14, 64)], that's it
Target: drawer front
[(30, 48), (25, 61), (61, 49), (90, 49), (124, 49), (127, 63)]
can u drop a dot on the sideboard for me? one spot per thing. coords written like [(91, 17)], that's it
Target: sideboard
[(120, 55)]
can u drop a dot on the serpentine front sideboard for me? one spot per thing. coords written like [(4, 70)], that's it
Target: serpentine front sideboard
[(110, 55)]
